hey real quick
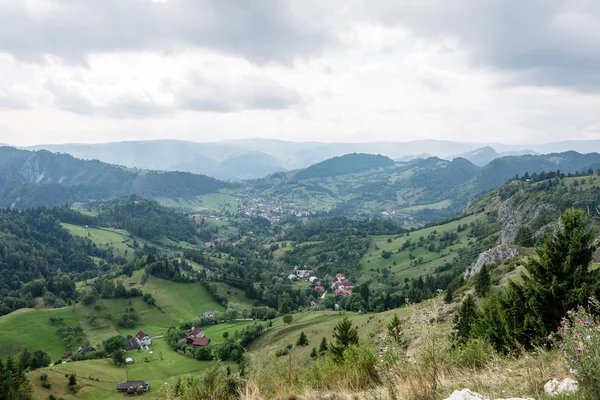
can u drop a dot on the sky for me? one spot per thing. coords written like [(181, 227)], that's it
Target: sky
[(89, 71)]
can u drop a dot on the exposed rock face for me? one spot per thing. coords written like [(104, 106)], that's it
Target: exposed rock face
[(556, 386), (466, 394), (494, 256), (513, 213)]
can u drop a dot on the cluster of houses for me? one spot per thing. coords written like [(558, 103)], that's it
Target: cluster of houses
[(197, 338), (303, 274), (341, 286)]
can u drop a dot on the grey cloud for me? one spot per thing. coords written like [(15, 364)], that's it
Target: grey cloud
[(543, 42), (260, 30), (193, 94)]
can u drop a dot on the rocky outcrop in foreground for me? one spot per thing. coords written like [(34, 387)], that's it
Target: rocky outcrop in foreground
[(553, 388)]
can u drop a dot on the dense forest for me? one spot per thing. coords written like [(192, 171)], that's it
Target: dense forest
[(40, 258)]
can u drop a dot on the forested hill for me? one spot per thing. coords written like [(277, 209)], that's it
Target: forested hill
[(41, 178), (147, 219), (504, 168), (350, 163), (37, 256)]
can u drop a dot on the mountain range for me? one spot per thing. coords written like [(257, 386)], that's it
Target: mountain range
[(256, 158), (425, 189)]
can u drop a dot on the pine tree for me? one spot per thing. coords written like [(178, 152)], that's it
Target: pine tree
[(313, 353), (449, 296), (465, 319), (302, 340), (344, 335), (323, 346), (559, 278), (483, 281), (395, 329)]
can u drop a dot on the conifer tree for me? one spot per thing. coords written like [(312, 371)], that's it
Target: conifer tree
[(558, 279), (302, 340), (344, 335), (313, 353), (483, 281), (395, 329), (465, 319), (323, 346)]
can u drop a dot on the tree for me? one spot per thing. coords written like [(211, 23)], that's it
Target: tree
[(465, 319), (344, 335), (25, 359), (72, 380), (558, 279), (40, 359), (313, 353), (118, 357), (524, 236), (483, 281), (113, 344), (395, 329), (323, 346), (302, 340), (287, 319), (225, 335)]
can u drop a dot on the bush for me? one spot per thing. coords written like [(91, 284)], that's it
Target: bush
[(579, 341), (46, 385), (44, 377), (474, 353)]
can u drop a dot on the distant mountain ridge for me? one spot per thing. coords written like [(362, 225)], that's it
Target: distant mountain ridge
[(347, 164), (427, 189), (256, 158), (42, 178)]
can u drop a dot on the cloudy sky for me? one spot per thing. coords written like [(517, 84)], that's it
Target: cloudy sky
[(516, 71)]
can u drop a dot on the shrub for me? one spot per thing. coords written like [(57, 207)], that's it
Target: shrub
[(46, 385), (580, 346), (44, 377)]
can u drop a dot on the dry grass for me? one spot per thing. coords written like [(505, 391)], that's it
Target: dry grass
[(431, 373)]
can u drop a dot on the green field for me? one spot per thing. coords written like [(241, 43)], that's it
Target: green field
[(31, 328), (234, 295), (399, 263), (212, 201), (181, 301), (433, 206), (119, 240)]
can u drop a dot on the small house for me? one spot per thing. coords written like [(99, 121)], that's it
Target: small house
[(319, 288), (312, 279), (292, 277), (132, 344), (131, 283), (201, 342), (67, 354), (207, 315), (86, 350), (129, 360), (132, 386), (143, 338), (196, 333)]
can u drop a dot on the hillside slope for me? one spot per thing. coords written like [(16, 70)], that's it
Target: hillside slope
[(41, 178)]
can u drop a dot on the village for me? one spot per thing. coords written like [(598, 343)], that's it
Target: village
[(339, 285), (143, 341)]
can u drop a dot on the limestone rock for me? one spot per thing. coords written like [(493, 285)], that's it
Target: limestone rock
[(467, 394), (557, 386), (493, 256)]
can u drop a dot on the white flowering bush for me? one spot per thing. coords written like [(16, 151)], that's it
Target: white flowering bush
[(579, 341)]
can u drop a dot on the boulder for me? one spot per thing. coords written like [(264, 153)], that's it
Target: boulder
[(557, 386), (467, 394)]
